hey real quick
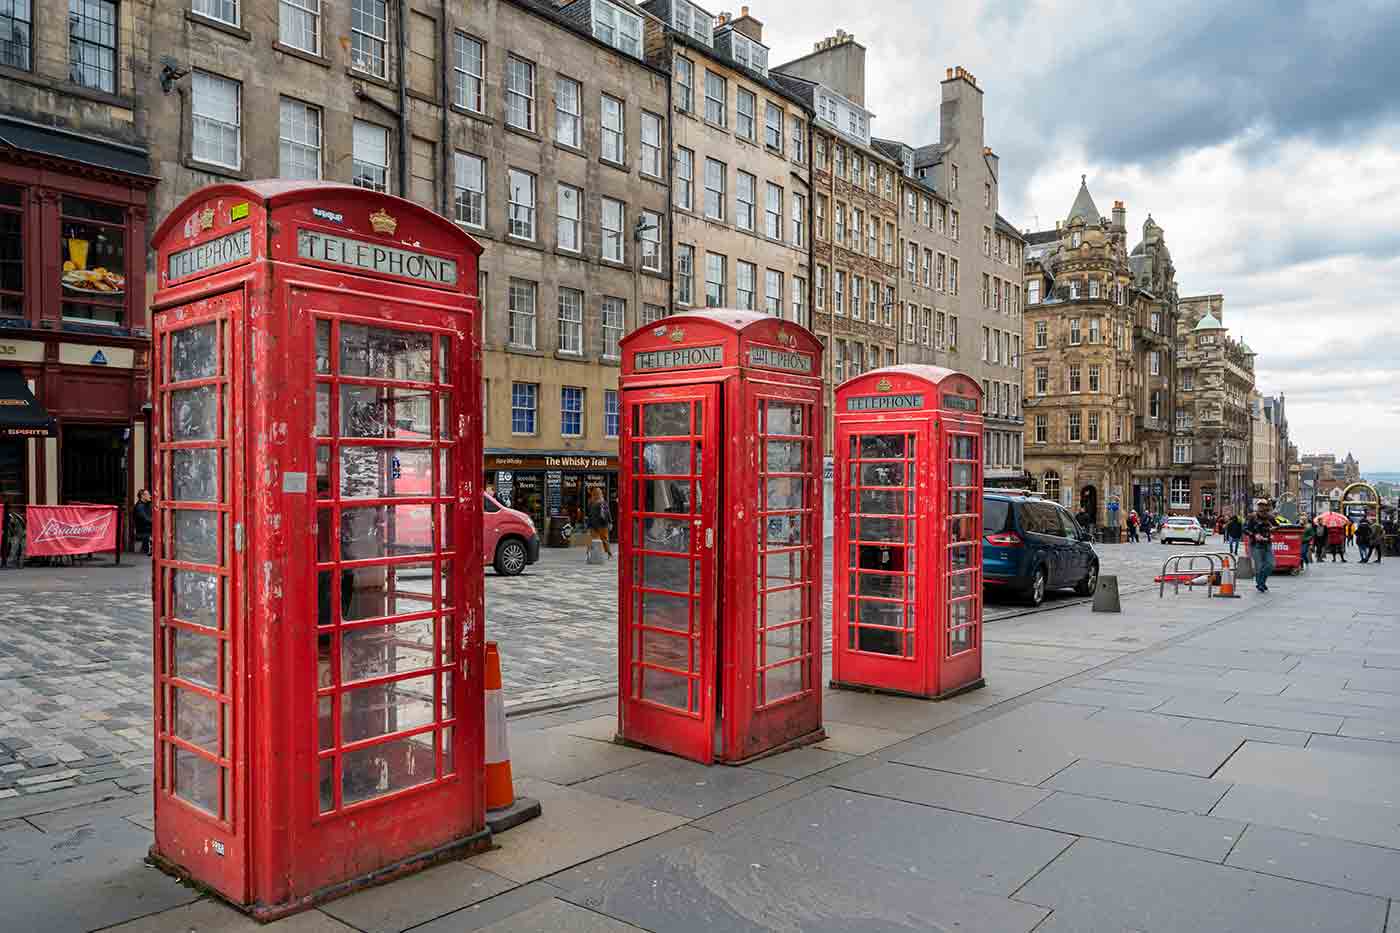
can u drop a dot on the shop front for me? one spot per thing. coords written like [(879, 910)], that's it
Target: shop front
[(74, 342), (553, 488)]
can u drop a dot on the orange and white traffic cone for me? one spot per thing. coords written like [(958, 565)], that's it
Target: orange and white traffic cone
[(503, 808), (1227, 580)]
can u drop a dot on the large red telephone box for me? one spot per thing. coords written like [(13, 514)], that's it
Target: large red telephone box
[(720, 518), (908, 532), (317, 582)]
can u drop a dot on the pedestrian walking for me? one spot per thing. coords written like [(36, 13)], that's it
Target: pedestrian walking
[(1363, 539), (1319, 539), (1260, 529), (1149, 524), (1351, 534), (141, 522), (1309, 533), (1337, 542), (1133, 525), (599, 521), (1234, 531)]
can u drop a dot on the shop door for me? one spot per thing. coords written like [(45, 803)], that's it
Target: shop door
[(878, 619), (94, 464), (961, 643), (201, 746), (787, 529), (667, 665)]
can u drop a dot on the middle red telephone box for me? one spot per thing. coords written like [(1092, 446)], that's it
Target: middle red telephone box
[(720, 522)]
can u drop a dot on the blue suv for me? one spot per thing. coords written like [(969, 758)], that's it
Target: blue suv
[(1031, 545)]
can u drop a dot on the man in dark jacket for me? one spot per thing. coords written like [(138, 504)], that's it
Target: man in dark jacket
[(1260, 531), (141, 521), (1363, 539), (1234, 531)]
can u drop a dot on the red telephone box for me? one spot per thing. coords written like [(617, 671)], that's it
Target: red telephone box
[(317, 579), (908, 532), (719, 639)]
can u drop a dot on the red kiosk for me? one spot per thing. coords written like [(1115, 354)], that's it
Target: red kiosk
[(908, 532), (317, 579), (720, 516)]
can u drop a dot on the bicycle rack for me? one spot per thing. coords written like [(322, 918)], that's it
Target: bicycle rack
[(1185, 570)]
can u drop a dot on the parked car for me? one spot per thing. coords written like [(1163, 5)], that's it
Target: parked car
[(1183, 528), (509, 541), (1031, 545)]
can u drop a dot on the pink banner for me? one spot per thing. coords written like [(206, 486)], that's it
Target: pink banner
[(55, 530)]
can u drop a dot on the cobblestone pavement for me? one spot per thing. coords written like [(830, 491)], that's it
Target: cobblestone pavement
[(75, 682)]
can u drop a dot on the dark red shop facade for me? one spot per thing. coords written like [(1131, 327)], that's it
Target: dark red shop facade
[(74, 338)]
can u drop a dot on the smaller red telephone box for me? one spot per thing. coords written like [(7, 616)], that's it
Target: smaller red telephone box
[(908, 532), (318, 646), (720, 519)]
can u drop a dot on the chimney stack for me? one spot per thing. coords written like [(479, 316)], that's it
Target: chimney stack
[(747, 25), (1120, 216)]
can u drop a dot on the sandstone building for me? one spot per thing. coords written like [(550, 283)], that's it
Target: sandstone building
[(1215, 376)]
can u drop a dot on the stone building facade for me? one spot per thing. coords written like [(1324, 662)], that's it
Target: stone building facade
[(1268, 423), (741, 186), (855, 272), (1156, 309), (1215, 376)]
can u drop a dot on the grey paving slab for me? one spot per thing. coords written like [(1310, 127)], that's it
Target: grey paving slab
[(482, 914), (687, 789), (1241, 732), (1113, 699), (137, 805), (26, 805), (1375, 680), (1343, 743), (1249, 714), (1313, 814), (996, 799), (1341, 775), (854, 739), (1187, 834), (214, 916), (561, 916), (749, 883), (1111, 886), (1016, 758), (1334, 862), (1164, 789), (84, 878), (595, 870), (800, 762), (560, 758), (966, 851), (1383, 730), (1254, 682), (896, 714), (417, 898)]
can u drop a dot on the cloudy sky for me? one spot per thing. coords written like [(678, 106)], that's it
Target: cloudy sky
[(1263, 135)]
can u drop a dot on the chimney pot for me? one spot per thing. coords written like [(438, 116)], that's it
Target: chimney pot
[(950, 74), (743, 11)]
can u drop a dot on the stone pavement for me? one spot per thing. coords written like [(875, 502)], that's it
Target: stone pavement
[(1188, 765), (75, 683)]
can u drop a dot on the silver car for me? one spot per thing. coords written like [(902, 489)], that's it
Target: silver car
[(1183, 529)]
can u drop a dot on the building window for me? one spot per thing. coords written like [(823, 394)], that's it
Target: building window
[(215, 110), (522, 314), (300, 140), (612, 420), (911, 252), (773, 213), (651, 241), (92, 43), (716, 98), (369, 166), (1042, 380), (470, 187), (889, 239), (952, 332), (569, 218), (1188, 380), (1156, 322), (773, 126), (571, 411), (952, 276), (12, 243), (568, 112), (369, 36), (1074, 432), (744, 106), (619, 28), (299, 25), (857, 296), (614, 130), (715, 289), (93, 236), (953, 225), (521, 205), (1074, 336), (744, 276), (1095, 332), (1181, 493), (685, 178), (523, 399), (773, 292), (1094, 378), (651, 314), (927, 268), (799, 220), (614, 326), (685, 84), (1076, 239), (821, 216), (225, 11), (614, 223), (1181, 452), (856, 230), (749, 53), (1093, 288), (819, 289), (651, 144), (838, 293), (714, 189), (839, 159), (1093, 426), (520, 93), (1074, 377), (841, 224), (1154, 363), (799, 141), (685, 273), (940, 332), (745, 196), (570, 321), (925, 321), (1042, 429), (469, 70), (799, 301)]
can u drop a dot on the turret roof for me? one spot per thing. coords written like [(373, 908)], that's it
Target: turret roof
[(1083, 206)]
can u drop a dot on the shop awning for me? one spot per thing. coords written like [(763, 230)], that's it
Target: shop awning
[(21, 415), (73, 147)]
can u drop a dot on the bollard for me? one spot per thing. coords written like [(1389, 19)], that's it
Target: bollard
[(1244, 567), (1106, 595), (595, 552)]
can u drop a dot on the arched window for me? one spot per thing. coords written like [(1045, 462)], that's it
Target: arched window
[(1050, 485)]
